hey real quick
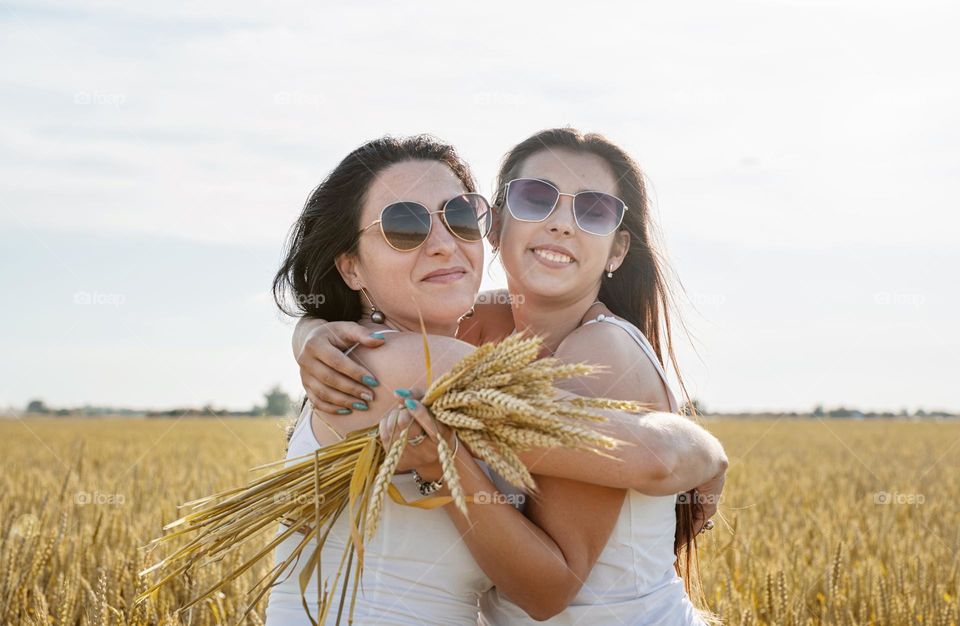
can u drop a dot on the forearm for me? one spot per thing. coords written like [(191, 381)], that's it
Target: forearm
[(688, 455), (302, 331), (663, 454), (520, 558)]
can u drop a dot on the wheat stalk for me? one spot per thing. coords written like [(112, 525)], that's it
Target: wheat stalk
[(499, 400)]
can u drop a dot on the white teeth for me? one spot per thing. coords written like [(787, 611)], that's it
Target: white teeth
[(553, 256)]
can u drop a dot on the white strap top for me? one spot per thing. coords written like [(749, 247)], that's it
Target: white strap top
[(647, 348), (417, 569), (633, 581)]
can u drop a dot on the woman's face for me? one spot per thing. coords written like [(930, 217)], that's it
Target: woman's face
[(554, 258), (441, 277)]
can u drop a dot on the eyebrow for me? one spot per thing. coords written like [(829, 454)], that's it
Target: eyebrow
[(547, 180)]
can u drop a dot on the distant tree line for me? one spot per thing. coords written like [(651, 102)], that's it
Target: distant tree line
[(275, 402)]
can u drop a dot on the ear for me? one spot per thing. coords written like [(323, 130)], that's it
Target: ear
[(621, 245), (496, 223), (348, 266)]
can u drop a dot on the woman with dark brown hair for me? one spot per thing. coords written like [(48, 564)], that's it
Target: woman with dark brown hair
[(572, 226)]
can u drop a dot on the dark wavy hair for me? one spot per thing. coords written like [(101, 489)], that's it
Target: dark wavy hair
[(639, 291), (308, 283)]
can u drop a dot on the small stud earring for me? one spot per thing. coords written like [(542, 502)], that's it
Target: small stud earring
[(610, 271), (377, 316)]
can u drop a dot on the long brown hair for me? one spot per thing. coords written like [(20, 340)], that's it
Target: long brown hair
[(308, 282), (638, 292)]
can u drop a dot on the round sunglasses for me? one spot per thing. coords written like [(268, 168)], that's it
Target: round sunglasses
[(406, 225), (533, 200)]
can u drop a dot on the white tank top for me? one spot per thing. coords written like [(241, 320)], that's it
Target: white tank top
[(417, 569), (633, 581)]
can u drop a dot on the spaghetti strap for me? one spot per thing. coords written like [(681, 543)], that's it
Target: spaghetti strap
[(647, 348)]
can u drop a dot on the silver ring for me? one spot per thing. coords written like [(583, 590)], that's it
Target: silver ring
[(708, 525), (416, 441)]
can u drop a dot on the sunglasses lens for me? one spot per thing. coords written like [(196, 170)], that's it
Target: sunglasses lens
[(405, 224), (598, 213), (468, 216), (531, 200)]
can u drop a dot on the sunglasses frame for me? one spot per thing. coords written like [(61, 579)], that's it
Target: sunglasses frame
[(443, 217), (556, 203)]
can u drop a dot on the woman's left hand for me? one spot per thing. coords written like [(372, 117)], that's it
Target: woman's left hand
[(419, 454), (708, 495)]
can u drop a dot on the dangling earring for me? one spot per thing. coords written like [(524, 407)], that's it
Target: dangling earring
[(610, 271), (377, 316)]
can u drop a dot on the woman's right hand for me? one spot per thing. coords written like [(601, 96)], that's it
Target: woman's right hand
[(334, 383)]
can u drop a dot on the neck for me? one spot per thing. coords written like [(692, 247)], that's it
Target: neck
[(413, 326), (551, 318)]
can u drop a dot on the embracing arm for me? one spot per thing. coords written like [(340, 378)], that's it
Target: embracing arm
[(667, 453)]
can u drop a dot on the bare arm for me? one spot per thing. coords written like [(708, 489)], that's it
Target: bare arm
[(580, 517), (668, 453), (542, 562)]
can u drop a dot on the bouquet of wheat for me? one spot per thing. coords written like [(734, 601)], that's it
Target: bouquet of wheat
[(500, 400)]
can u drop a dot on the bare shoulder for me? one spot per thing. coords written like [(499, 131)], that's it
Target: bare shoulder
[(401, 360), (629, 373)]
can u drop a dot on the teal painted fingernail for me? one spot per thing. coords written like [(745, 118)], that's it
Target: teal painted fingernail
[(360, 406), (378, 335), (369, 381), (410, 403), (403, 393), (344, 411)]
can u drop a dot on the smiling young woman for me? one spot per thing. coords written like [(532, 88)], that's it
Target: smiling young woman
[(571, 223)]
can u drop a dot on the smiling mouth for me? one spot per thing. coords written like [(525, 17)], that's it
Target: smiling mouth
[(446, 277), (550, 255)]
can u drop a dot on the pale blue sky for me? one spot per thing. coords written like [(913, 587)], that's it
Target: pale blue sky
[(803, 158)]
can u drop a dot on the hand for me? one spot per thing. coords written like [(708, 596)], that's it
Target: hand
[(708, 495), (333, 381), (423, 456)]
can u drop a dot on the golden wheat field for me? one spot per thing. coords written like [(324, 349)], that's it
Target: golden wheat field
[(827, 522)]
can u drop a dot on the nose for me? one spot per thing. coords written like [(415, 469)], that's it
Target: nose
[(561, 221), (440, 241)]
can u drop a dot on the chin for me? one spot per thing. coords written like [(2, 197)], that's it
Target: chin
[(448, 308)]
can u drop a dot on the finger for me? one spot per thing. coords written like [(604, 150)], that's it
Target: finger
[(403, 419), (386, 427), (333, 397), (343, 373), (422, 416), (326, 407), (345, 334)]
